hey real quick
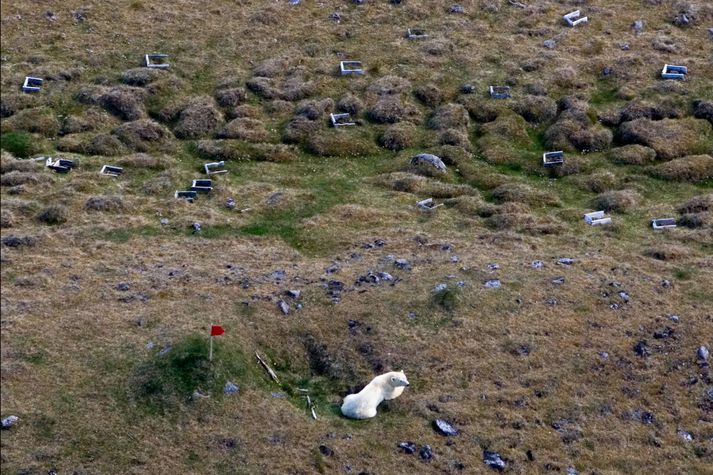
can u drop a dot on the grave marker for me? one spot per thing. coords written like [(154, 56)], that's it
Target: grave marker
[(671, 71), (61, 165), (202, 185), (350, 67), (156, 61), (597, 218), (416, 34), (186, 195), (341, 120), (428, 204), (215, 168), (32, 84), (571, 21), (663, 223), (500, 92), (551, 159), (110, 170)]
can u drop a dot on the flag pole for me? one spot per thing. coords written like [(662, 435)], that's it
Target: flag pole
[(210, 353)]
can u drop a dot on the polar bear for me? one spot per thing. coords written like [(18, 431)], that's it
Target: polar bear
[(363, 404)]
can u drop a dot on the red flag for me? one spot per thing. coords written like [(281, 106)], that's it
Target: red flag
[(216, 330)]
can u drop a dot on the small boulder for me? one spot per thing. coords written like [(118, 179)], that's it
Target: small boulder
[(9, 421), (493, 460), (444, 428)]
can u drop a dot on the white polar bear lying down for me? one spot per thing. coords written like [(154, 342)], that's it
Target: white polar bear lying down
[(363, 404)]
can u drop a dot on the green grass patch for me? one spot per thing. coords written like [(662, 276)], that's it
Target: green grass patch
[(20, 144), (166, 379)]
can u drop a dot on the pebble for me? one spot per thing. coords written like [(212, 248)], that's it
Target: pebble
[(493, 460), (558, 280), (455, 8), (230, 203), (492, 284), (685, 435), (709, 393), (638, 25), (278, 274), (703, 353), (426, 453), (196, 227), (444, 427), (295, 294), (624, 296), (455, 259), (402, 264), (674, 318), (412, 315), (604, 355), (550, 44), (284, 308), (642, 349), (493, 266), (9, 421), (230, 388), (164, 221), (566, 261), (572, 471), (122, 286), (460, 284), (665, 283), (408, 447), (537, 264)]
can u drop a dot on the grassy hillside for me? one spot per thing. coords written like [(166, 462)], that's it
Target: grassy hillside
[(108, 291)]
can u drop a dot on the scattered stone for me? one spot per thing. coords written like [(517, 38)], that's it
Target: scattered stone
[(604, 355), (674, 318), (642, 349), (164, 221), (326, 451), (521, 350), (665, 283), (492, 284), (708, 393), (9, 421), (681, 20), (122, 286), (426, 453), (493, 266), (278, 275), (164, 351), (550, 44), (456, 8), (638, 25), (572, 471), (411, 315), (566, 261), (278, 395), (493, 460), (408, 447), (150, 345), (468, 89), (663, 333), (230, 203), (196, 228), (703, 353), (552, 301), (198, 394), (430, 160), (685, 435), (444, 428), (439, 288), (284, 308), (230, 388), (460, 284), (295, 294), (537, 264), (402, 264), (558, 280)]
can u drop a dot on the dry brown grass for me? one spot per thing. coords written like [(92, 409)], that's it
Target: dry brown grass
[(516, 369)]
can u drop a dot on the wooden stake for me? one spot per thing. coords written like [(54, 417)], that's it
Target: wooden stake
[(267, 368), (210, 353)]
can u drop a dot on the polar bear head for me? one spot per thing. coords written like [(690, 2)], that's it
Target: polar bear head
[(397, 379)]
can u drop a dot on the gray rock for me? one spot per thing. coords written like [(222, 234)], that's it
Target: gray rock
[(402, 264), (429, 160), (624, 296), (703, 353), (566, 261), (455, 8), (122, 286), (164, 221), (278, 395), (558, 281), (638, 25), (284, 308), (685, 435), (468, 89), (492, 284), (230, 388), (709, 393), (642, 349), (426, 453), (493, 460), (408, 447), (439, 288), (537, 264), (572, 471), (681, 20), (550, 44), (295, 294), (444, 428), (230, 203), (9, 421), (493, 266), (196, 227)]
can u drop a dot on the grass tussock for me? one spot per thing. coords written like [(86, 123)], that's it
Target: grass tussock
[(670, 138), (691, 169)]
